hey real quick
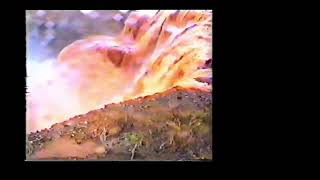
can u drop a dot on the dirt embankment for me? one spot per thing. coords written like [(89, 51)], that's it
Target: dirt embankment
[(174, 125)]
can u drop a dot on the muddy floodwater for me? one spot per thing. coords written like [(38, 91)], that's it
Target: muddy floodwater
[(119, 85)]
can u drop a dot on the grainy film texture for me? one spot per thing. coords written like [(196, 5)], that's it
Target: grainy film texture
[(119, 85)]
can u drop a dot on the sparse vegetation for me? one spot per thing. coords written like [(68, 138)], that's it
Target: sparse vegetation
[(157, 136)]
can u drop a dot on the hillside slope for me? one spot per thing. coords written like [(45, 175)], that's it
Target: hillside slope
[(173, 125)]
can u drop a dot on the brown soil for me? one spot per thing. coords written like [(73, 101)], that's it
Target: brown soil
[(174, 125)]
